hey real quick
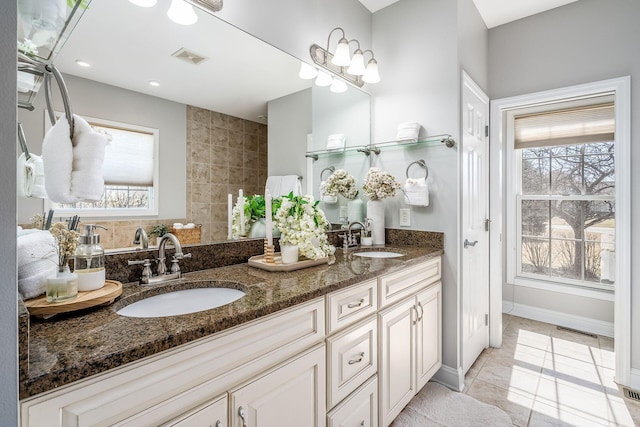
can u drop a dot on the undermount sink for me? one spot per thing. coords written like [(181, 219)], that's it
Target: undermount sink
[(181, 302), (378, 254)]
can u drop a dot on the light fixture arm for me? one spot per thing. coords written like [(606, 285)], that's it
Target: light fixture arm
[(371, 52), (329, 38)]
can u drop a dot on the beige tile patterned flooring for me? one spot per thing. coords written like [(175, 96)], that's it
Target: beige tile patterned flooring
[(543, 376)]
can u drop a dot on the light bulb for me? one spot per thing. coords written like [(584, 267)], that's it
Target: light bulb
[(357, 64), (338, 86), (182, 13), (323, 79), (144, 3), (307, 72), (341, 57), (371, 74)]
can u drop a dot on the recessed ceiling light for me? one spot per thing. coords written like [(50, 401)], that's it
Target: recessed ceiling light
[(154, 83), (82, 63)]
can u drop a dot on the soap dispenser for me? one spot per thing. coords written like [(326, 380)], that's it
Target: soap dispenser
[(89, 260)]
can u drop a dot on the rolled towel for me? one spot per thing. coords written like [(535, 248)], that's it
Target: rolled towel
[(32, 278), (87, 182), (37, 260), (335, 141), (416, 192), (57, 155), (31, 176)]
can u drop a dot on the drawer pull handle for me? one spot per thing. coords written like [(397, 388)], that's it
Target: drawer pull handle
[(241, 413), (357, 359), (362, 423), (421, 311), (355, 304), (218, 423)]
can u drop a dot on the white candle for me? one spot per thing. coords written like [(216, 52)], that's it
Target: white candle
[(229, 216), (268, 215), (241, 203)]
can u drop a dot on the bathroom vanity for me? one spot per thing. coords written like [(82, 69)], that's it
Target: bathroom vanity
[(349, 343)]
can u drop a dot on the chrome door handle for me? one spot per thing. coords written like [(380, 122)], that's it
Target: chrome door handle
[(421, 311), (468, 243), (218, 423), (357, 360), (242, 414)]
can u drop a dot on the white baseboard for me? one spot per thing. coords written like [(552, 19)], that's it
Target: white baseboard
[(572, 321), (450, 377)]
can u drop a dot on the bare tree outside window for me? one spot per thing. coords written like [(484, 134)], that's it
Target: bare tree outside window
[(568, 210)]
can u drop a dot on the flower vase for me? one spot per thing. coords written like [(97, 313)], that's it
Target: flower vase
[(375, 212), (289, 253), (355, 210), (62, 286)]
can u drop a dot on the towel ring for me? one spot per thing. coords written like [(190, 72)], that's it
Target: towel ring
[(420, 163), (330, 169), (50, 70)]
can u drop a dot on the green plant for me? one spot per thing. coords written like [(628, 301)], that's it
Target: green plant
[(159, 230)]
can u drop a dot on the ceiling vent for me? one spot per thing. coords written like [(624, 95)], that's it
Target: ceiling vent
[(209, 5), (189, 56)]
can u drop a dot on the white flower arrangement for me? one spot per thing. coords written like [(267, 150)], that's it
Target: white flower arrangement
[(380, 184), (340, 182), (302, 223)]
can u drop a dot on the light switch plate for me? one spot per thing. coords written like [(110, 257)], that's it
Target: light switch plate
[(405, 217)]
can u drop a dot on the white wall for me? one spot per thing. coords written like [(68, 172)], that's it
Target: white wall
[(8, 269), (419, 54), (93, 99), (289, 125), (582, 42)]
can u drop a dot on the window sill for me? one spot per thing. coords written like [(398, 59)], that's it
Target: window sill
[(604, 295)]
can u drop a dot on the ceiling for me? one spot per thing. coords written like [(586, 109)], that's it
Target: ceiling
[(493, 12), (127, 46)]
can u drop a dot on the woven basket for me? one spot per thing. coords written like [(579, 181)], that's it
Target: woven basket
[(188, 235)]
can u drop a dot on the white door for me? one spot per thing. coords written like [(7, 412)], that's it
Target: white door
[(475, 225)]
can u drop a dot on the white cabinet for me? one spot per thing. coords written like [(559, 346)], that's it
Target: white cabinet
[(410, 349), (291, 395), (349, 305)]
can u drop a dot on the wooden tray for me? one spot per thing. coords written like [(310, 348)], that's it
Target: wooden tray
[(259, 262), (105, 295)]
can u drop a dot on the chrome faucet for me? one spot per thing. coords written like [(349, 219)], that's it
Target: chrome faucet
[(141, 235), (162, 274), (349, 239)]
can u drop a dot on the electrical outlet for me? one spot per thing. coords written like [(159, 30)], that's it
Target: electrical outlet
[(405, 217)]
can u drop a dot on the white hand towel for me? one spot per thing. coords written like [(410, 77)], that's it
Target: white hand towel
[(335, 141), (37, 260), (87, 182), (416, 192), (57, 155), (31, 176), (283, 185), (273, 185)]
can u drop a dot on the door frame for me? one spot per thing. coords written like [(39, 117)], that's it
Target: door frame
[(622, 299)]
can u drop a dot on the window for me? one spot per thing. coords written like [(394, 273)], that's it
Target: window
[(565, 195), (129, 171)]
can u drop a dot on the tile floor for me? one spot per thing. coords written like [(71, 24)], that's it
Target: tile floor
[(543, 376)]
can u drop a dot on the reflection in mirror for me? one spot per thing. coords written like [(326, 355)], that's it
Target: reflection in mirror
[(221, 138)]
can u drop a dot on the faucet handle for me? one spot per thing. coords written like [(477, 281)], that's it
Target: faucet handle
[(181, 256), (145, 262), (146, 270)]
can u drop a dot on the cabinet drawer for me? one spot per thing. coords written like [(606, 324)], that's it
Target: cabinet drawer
[(213, 414), (348, 306), (359, 409), (400, 284), (352, 357)]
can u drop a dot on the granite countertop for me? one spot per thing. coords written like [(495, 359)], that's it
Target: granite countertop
[(70, 347)]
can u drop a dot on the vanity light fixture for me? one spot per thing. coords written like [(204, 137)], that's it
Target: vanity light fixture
[(340, 63), (338, 86), (82, 63), (182, 13), (307, 72), (323, 79)]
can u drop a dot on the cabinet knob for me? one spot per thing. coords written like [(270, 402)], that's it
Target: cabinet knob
[(242, 416)]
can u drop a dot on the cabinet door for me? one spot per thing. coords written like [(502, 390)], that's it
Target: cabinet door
[(212, 414), (291, 395), (396, 327), (429, 333)]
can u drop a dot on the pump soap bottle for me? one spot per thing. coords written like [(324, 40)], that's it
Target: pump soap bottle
[(89, 260)]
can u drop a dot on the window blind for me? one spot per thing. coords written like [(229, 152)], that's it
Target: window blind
[(579, 125), (128, 157)]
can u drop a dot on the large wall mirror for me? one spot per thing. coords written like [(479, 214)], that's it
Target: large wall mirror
[(214, 66)]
